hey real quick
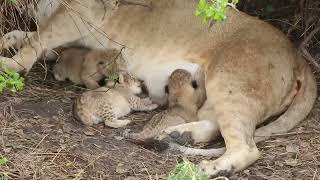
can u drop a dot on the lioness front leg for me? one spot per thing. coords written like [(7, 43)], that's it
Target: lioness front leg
[(237, 130), (65, 26)]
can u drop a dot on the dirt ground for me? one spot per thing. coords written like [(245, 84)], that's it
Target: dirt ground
[(42, 140)]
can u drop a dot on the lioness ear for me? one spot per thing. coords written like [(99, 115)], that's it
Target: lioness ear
[(194, 84), (166, 89)]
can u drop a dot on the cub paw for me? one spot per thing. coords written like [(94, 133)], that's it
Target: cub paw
[(184, 138), (153, 106), (117, 123), (147, 101)]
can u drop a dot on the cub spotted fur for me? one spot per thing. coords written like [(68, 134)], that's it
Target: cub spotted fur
[(85, 66), (107, 104), (185, 97)]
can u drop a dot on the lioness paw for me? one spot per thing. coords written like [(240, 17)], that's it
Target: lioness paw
[(216, 168)]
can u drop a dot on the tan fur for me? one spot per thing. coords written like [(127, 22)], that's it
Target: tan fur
[(184, 101), (252, 70), (107, 104), (84, 66)]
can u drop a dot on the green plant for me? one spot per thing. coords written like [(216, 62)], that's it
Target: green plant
[(12, 1), (113, 77), (4, 176), (11, 80), (3, 161), (215, 10), (187, 171)]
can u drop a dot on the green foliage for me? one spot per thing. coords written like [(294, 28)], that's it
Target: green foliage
[(4, 176), (187, 171), (113, 77), (78, 177), (12, 1), (215, 10), (3, 161), (11, 80)]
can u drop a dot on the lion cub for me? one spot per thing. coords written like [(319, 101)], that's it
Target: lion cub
[(110, 103), (185, 97), (86, 67)]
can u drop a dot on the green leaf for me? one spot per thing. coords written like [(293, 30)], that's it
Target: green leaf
[(3, 161), (215, 11), (2, 79), (4, 176), (202, 5), (187, 171)]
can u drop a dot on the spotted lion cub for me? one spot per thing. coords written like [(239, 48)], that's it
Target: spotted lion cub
[(86, 67), (107, 104), (185, 97)]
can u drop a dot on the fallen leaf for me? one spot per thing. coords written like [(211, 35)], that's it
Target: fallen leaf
[(118, 138), (88, 133), (292, 148), (121, 169)]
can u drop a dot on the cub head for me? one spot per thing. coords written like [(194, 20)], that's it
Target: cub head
[(110, 61), (59, 72), (181, 88), (126, 81)]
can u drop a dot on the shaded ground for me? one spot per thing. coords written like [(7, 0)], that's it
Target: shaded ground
[(42, 140)]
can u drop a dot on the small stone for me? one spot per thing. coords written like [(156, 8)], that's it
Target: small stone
[(291, 162), (292, 148), (7, 150), (118, 138), (278, 163), (88, 133), (66, 128), (55, 118), (120, 169), (131, 178), (247, 172)]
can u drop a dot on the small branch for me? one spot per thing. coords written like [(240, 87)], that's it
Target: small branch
[(291, 133), (305, 52)]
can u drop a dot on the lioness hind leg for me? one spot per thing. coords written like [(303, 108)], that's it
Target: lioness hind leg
[(241, 150), (298, 110)]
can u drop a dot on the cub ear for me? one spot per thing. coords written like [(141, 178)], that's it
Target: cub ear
[(121, 78), (194, 84), (166, 89)]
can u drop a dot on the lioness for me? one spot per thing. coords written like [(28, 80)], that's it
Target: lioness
[(253, 72), (185, 97)]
